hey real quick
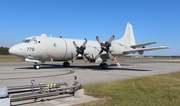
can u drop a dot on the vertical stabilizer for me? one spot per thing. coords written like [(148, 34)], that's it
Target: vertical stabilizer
[(128, 38)]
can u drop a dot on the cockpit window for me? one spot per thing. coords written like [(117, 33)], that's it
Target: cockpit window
[(32, 40), (26, 40)]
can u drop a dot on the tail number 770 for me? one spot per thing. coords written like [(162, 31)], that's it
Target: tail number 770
[(30, 49)]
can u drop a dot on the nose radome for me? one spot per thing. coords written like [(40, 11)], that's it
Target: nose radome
[(12, 50), (15, 50)]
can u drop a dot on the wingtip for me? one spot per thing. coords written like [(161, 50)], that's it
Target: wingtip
[(166, 47)]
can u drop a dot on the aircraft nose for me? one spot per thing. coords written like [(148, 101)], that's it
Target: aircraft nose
[(14, 50), (10, 50)]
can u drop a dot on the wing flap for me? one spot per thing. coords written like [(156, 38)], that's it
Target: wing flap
[(144, 49), (142, 45)]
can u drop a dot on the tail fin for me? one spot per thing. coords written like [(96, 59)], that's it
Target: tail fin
[(128, 38)]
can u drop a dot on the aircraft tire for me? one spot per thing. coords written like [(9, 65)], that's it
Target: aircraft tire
[(103, 66), (36, 67), (66, 64)]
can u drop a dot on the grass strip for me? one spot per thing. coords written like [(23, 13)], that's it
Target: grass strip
[(158, 90)]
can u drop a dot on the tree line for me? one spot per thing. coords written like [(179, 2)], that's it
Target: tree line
[(4, 50)]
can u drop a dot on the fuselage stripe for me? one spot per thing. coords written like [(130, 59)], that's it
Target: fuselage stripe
[(66, 49)]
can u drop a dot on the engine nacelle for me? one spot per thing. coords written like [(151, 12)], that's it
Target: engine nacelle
[(99, 60), (91, 52)]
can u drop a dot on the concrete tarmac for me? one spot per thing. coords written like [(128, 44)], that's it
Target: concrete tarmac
[(21, 73)]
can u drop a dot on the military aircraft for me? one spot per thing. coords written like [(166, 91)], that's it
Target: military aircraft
[(39, 49)]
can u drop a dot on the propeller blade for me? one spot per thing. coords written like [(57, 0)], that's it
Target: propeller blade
[(98, 39), (118, 64), (110, 56), (111, 39), (98, 55), (84, 58), (74, 59), (84, 44), (75, 44), (116, 60)]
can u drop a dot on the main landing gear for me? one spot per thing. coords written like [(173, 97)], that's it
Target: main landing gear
[(66, 64), (103, 66)]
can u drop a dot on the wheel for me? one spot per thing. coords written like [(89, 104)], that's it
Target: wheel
[(103, 66), (36, 67), (66, 64)]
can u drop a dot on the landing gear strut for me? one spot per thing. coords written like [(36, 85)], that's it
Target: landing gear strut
[(66, 64), (36, 66), (103, 66)]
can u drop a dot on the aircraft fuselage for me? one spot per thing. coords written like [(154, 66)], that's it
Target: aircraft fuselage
[(45, 48)]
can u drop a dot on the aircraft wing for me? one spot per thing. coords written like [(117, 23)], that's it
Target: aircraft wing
[(142, 45), (141, 50)]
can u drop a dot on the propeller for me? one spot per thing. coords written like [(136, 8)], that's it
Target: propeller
[(80, 50), (105, 47)]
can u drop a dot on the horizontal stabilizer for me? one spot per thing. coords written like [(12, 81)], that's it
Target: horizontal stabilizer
[(141, 45), (144, 49)]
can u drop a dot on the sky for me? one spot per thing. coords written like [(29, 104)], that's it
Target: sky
[(152, 20)]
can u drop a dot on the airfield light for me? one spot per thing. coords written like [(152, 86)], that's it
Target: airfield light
[(54, 84)]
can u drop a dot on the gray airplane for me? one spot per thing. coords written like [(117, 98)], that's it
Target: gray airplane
[(39, 49)]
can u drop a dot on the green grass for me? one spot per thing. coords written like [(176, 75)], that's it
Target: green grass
[(159, 90)]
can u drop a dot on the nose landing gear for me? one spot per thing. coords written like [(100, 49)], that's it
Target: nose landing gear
[(36, 66)]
